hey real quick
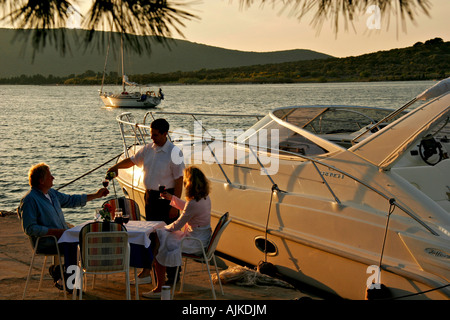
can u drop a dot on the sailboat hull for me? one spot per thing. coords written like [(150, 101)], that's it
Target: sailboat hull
[(130, 100)]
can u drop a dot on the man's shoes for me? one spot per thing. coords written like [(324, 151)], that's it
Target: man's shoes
[(152, 295), (143, 280), (54, 272), (61, 287)]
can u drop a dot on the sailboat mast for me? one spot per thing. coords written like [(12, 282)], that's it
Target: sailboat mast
[(123, 71), (106, 61)]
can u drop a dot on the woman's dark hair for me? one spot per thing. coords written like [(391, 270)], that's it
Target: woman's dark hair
[(196, 184)]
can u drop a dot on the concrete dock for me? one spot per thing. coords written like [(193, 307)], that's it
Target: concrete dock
[(15, 258)]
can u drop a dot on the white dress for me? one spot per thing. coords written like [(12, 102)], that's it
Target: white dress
[(196, 216)]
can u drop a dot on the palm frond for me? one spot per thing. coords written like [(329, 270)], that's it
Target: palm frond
[(135, 19), (335, 11)]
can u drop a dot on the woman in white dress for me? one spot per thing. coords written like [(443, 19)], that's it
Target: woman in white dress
[(195, 215)]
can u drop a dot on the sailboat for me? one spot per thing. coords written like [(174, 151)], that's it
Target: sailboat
[(143, 97)]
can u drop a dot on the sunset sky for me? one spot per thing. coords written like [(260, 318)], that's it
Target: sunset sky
[(223, 23)]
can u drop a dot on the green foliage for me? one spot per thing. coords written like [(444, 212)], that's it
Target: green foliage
[(422, 61)]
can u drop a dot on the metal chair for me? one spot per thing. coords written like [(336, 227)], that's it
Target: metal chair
[(103, 249), (46, 255), (128, 206), (206, 256)]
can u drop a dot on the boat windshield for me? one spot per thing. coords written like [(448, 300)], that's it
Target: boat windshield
[(313, 130), (332, 119), (262, 135)]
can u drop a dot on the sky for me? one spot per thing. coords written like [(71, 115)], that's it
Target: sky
[(223, 23)]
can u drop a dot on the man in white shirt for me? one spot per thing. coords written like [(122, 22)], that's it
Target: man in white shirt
[(159, 169)]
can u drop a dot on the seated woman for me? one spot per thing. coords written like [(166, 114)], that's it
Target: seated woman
[(196, 215)]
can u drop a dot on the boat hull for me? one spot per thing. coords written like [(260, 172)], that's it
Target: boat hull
[(314, 241), (338, 218), (130, 101)]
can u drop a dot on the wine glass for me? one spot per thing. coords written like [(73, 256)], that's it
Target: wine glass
[(118, 216), (126, 218), (161, 190), (105, 183), (97, 214)]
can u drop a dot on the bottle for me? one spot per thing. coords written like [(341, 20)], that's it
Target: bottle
[(165, 293)]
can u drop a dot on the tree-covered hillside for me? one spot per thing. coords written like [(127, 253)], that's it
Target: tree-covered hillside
[(422, 61)]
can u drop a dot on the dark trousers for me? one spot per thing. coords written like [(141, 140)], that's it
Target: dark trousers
[(157, 209)]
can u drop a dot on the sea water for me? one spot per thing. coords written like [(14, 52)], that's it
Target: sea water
[(68, 128)]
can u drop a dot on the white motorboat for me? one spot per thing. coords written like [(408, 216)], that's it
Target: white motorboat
[(344, 198)]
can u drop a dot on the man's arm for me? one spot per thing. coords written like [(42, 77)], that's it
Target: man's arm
[(178, 187), (55, 232), (173, 213), (103, 192), (124, 164)]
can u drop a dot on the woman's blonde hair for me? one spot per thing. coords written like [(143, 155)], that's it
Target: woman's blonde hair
[(195, 183), (37, 173)]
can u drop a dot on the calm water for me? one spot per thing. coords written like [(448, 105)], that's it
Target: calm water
[(67, 128)]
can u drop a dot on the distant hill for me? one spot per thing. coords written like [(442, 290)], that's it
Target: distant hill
[(422, 61), (183, 56)]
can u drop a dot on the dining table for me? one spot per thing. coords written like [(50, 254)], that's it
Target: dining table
[(138, 237)]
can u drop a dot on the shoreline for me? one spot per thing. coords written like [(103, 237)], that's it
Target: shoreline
[(175, 84)]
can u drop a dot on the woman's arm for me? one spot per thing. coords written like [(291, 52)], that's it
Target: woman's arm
[(177, 202)]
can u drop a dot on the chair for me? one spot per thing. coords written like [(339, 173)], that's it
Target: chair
[(206, 256), (46, 255), (103, 249), (128, 206)]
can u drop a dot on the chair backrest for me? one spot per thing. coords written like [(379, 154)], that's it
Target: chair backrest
[(99, 226), (127, 205), (218, 230), (104, 247), (105, 251)]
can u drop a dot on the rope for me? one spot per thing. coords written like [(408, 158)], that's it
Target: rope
[(421, 292), (274, 188), (89, 172), (391, 210)]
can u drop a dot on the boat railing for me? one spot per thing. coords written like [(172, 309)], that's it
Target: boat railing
[(440, 88), (138, 130)]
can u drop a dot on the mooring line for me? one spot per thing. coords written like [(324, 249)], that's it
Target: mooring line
[(89, 172)]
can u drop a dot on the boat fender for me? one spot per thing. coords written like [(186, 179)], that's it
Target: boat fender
[(380, 293)]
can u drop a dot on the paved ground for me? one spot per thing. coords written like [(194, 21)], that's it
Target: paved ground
[(15, 257)]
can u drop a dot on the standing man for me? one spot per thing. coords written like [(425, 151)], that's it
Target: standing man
[(159, 170)]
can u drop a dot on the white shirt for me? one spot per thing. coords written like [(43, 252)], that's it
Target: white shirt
[(161, 165)]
